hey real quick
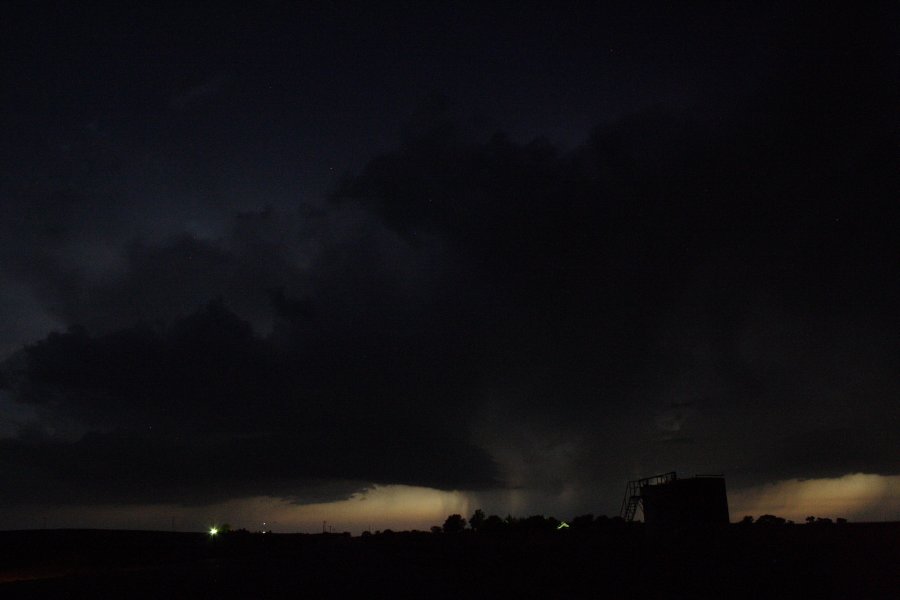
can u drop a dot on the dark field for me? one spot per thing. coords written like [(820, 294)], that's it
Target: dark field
[(841, 561)]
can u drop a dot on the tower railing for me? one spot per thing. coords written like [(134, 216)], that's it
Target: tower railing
[(632, 499)]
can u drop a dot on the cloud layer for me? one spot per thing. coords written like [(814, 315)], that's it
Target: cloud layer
[(708, 288)]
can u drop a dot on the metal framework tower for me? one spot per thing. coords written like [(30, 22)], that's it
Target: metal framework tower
[(632, 499)]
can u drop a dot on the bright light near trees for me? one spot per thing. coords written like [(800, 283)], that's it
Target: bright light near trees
[(213, 531)]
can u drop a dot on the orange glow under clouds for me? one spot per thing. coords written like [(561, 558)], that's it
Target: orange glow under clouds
[(857, 497)]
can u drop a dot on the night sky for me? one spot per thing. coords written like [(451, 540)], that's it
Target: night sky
[(377, 265)]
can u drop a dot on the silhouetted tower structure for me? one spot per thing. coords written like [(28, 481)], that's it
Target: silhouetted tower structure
[(667, 501)]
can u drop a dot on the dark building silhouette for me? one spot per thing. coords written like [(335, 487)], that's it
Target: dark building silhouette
[(667, 501)]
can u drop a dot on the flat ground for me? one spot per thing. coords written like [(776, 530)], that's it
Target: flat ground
[(839, 561)]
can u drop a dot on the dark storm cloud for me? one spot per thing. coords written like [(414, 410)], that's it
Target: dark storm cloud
[(194, 94), (205, 410), (702, 285), (735, 256), (346, 378)]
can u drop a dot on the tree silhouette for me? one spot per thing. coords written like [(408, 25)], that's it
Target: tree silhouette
[(492, 524), (454, 524), (770, 520), (583, 522), (477, 519)]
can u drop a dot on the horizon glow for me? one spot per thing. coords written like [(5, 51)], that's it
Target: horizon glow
[(855, 496)]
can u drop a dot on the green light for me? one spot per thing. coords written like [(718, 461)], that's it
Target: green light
[(213, 531), (563, 525)]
